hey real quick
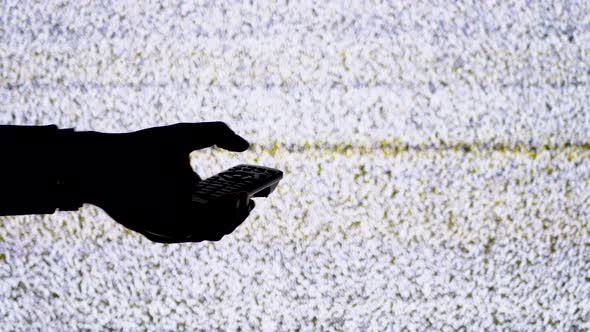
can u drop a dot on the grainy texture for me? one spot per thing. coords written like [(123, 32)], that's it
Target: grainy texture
[(436, 158)]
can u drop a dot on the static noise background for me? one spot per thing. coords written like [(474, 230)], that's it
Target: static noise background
[(436, 158)]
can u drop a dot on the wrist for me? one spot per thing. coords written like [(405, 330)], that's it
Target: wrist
[(87, 164), (68, 189)]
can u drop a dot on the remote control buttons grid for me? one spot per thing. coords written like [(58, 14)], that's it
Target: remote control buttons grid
[(238, 178)]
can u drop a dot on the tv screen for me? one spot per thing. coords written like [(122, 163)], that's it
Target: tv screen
[(435, 158)]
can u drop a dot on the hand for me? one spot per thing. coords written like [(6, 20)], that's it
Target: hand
[(144, 181)]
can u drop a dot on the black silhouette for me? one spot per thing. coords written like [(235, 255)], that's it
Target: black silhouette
[(142, 179)]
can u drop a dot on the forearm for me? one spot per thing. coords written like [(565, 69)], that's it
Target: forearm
[(33, 170)]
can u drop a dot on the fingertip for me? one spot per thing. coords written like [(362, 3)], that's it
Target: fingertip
[(241, 143), (234, 143)]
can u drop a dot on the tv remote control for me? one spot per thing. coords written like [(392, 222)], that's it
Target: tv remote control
[(257, 181)]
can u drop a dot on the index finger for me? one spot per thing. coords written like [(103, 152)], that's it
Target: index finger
[(206, 134)]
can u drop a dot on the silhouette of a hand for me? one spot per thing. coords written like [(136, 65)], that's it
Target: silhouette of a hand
[(144, 181)]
